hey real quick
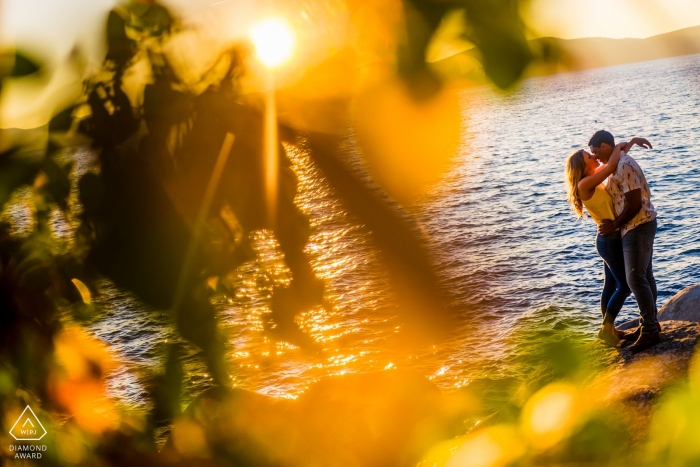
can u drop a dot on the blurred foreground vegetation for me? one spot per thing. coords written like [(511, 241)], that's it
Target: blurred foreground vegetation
[(182, 182)]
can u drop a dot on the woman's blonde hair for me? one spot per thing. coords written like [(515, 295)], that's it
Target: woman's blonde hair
[(574, 171)]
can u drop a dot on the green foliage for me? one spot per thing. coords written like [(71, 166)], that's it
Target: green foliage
[(494, 27), (62, 120), (15, 172), (24, 66), (497, 30)]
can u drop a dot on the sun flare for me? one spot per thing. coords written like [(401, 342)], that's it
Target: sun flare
[(274, 41)]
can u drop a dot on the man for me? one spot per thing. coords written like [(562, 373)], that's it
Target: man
[(636, 219)]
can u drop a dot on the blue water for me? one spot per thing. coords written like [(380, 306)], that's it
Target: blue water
[(505, 234), (503, 208), (521, 265)]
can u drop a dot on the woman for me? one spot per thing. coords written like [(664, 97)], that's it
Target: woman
[(584, 178)]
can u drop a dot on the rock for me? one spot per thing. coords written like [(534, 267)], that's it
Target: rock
[(639, 378), (631, 324), (636, 382), (677, 338), (684, 306)]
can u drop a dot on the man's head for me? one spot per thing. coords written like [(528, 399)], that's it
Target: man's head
[(602, 144)]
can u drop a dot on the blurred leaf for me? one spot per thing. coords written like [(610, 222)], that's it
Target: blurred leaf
[(604, 439), (120, 48), (496, 446), (674, 429), (408, 143), (62, 121), (35, 263), (90, 194), (422, 19), (58, 185), (84, 291), (82, 356), (150, 18), (166, 388), (553, 414), (78, 60), (15, 172), (163, 106), (495, 27), (422, 306), (112, 119), (498, 31), (83, 309), (320, 100), (189, 439), (78, 383), (24, 66)]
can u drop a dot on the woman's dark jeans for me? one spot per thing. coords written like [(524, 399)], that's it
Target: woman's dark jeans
[(615, 288)]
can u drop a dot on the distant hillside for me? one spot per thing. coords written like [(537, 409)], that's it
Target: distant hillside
[(586, 53)]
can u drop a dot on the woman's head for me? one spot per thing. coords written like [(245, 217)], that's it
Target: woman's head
[(579, 165)]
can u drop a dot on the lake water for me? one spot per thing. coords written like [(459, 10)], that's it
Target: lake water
[(504, 237)]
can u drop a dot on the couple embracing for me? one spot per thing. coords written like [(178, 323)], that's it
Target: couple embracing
[(613, 189)]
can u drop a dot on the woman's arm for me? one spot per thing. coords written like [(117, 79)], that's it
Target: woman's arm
[(588, 184)]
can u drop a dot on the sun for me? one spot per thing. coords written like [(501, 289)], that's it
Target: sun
[(274, 41)]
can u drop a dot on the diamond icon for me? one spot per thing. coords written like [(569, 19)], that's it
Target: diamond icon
[(28, 427)]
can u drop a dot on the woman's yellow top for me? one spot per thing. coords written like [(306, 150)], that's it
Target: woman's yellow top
[(600, 206)]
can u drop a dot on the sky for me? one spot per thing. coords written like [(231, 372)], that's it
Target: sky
[(570, 19), (52, 28), (61, 22)]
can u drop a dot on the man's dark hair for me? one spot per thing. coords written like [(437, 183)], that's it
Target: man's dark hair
[(601, 136)]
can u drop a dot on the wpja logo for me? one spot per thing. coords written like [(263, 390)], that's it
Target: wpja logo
[(28, 428)]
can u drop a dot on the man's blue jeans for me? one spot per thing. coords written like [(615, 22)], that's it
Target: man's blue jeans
[(638, 247), (615, 289)]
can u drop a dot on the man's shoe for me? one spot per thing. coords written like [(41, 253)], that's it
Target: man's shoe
[(632, 336), (645, 341)]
